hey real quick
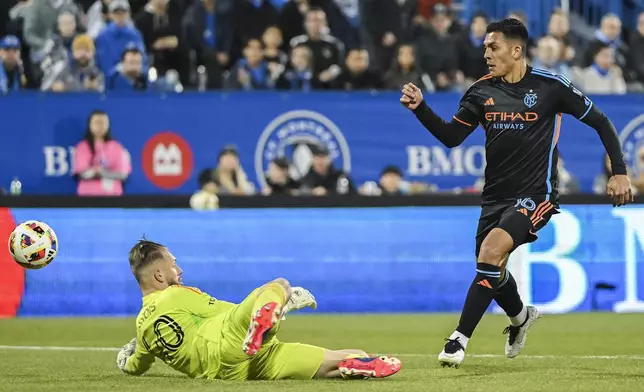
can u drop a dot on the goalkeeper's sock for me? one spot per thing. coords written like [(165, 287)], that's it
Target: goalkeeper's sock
[(271, 293), (508, 298), (479, 297)]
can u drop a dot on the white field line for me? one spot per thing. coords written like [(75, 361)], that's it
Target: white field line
[(527, 356), (114, 349)]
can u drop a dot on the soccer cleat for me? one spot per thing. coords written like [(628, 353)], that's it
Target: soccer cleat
[(375, 367), (453, 354), (518, 335), (265, 318)]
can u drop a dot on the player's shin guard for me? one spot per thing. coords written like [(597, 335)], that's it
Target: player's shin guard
[(479, 297), (508, 298)]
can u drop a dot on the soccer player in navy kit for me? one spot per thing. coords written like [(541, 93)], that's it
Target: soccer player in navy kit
[(520, 108)]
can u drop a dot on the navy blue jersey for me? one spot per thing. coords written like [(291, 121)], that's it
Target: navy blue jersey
[(522, 122)]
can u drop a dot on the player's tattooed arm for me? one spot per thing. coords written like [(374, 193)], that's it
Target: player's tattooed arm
[(451, 133)]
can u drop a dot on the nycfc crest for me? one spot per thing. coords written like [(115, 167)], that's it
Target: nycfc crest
[(530, 99), (291, 135), (632, 138)]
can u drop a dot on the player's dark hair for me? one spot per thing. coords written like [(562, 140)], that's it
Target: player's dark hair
[(511, 29), (143, 254), (88, 133)]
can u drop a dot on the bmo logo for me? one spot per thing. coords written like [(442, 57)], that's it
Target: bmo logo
[(58, 160), (167, 160)]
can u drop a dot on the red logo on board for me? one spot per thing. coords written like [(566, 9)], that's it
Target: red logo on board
[(167, 160)]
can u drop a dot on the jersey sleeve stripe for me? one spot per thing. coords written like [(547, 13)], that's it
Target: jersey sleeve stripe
[(587, 110), (550, 75), (486, 77), (565, 79), (558, 128), (555, 138), (461, 121)]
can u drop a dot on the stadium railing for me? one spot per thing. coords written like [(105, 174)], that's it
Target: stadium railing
[(274, 201)]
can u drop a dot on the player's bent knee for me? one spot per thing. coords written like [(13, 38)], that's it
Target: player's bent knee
[(496, 247), (285, 284), (491, 254)]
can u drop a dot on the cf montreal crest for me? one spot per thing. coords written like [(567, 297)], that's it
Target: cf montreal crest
[(530, 99), (291, 135), (632, 138)]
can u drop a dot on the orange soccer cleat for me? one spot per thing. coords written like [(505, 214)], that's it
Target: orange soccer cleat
[(374, 367), (265, 318)]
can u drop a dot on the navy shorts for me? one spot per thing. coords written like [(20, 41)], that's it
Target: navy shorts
[(522, 218)]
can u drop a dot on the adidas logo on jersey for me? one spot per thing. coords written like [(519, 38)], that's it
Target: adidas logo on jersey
[(489, 102)]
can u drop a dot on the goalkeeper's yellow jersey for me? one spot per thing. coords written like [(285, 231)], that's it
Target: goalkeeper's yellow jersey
[(182, 326)]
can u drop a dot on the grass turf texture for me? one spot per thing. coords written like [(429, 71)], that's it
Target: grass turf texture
[(576, 352)]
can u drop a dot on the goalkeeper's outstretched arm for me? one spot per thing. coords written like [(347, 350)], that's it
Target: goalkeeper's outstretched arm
[(133, 359), (139, 363)]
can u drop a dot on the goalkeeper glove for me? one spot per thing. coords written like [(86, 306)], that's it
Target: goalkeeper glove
[(300, 298), (126, 352)]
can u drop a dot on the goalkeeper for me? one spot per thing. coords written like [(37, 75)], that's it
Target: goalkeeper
[(203, 337)]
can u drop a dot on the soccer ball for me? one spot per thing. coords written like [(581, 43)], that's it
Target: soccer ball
[(33, 244)]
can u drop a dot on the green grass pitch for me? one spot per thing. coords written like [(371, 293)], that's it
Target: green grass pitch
[(577, 352)]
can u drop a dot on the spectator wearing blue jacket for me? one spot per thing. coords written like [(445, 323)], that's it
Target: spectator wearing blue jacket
[(118, 36), (129, 74), (12, 76)]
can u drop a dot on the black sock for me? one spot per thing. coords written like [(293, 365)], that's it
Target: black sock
[(507, 295), (479, 297)]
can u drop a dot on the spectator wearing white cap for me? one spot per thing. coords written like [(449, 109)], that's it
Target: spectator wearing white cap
[(12, 76), (98, 16), (118, 36)]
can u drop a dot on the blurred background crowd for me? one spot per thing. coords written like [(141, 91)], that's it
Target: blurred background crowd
[(296, 45), (96, 45)]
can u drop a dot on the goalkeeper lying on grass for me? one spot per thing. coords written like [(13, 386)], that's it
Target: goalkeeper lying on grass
[(203, 337)]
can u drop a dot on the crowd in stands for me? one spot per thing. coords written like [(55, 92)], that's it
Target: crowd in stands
[(98, 45)]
